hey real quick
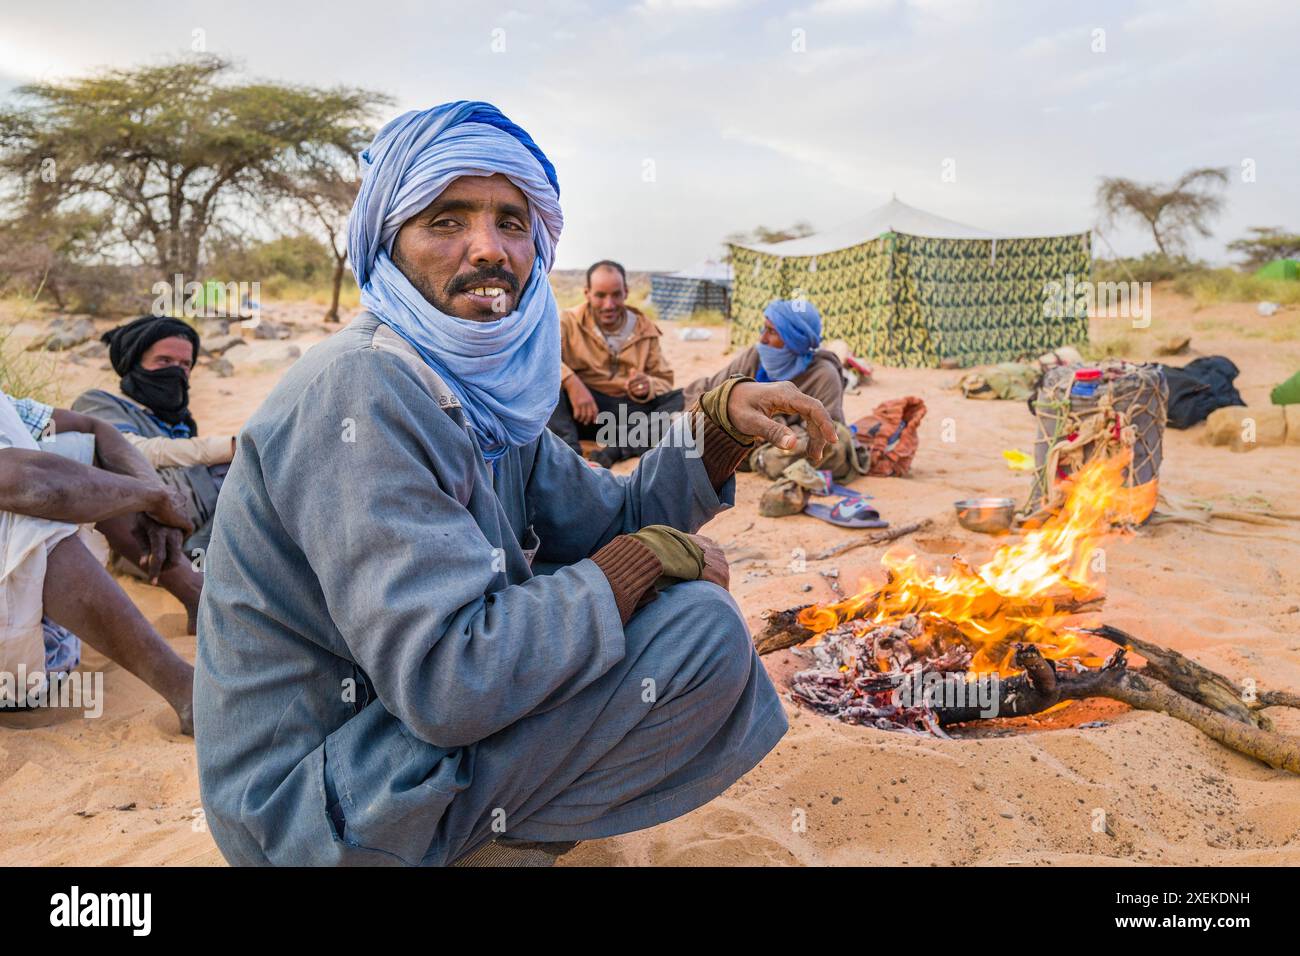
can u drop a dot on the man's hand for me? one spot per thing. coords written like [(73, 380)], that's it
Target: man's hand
[(167, 507), (581, 400), (716, 570), (751, 405), (639, 385), (162, 547)]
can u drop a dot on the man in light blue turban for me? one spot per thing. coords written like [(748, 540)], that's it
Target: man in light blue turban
[(788, 350), (429, 632)]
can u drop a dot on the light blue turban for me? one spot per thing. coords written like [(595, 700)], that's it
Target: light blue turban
[(800, 326), (506, 372)]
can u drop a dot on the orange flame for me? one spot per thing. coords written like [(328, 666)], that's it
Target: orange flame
[(1014, 596)]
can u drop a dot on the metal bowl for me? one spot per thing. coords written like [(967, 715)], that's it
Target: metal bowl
[(989, 515)]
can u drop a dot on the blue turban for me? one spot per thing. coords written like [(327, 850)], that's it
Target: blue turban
[(506, 372), (800, 327)]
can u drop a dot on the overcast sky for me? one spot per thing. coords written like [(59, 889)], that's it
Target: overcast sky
[(675, 122)]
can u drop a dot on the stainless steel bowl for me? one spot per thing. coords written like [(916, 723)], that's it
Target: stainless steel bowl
[(989, 515)]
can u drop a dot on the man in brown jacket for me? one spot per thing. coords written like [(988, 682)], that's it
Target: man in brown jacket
[(616, 387)]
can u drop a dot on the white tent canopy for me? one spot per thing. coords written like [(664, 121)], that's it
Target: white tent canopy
[(893, 216), (708, 270)]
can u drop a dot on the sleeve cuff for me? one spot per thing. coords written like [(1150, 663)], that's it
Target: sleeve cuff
[(721, 454), (631, 569)]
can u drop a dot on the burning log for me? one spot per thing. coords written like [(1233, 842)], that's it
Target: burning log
[(898, 699), (1202, 704), (783, 629)]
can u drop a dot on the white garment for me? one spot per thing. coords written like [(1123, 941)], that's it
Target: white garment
[(621, 336), (25, 542)]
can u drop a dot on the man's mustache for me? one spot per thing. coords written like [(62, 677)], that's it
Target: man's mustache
[(483, 277)]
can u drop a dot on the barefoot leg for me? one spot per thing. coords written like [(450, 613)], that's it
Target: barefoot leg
[(80, 595)]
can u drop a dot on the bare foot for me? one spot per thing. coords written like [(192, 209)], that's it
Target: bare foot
[(185, 714)]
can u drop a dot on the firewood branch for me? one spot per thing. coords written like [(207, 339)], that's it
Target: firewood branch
[(1041, 687)]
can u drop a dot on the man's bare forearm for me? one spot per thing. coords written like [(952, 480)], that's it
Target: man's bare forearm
[(42, 485), (112, 451)]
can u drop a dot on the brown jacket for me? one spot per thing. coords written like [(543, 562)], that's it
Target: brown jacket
[(586, 355)]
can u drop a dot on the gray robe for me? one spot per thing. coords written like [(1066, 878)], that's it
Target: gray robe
[(382, 678)]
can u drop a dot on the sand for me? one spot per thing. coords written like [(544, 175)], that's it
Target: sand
[(1142, 788)]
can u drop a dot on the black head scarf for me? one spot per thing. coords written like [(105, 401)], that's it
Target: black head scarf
[(164, 391)]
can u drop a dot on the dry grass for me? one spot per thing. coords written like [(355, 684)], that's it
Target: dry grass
[(1282, 327), (1213, 286), (26, 374), (281, 289)]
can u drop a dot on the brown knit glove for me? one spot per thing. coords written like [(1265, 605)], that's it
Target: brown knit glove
[(631, 568), (723, 447)]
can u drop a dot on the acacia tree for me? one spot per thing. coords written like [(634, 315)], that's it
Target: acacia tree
[(1170, 212), (321, 198), (1266, 244), (166, 151)]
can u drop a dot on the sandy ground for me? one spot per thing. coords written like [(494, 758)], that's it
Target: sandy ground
[(123, 790)]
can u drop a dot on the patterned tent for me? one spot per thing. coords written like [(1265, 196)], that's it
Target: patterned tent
[(677, 294), (907, 288)]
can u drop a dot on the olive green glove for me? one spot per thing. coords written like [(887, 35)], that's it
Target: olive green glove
[(714, 404), (682, 558)]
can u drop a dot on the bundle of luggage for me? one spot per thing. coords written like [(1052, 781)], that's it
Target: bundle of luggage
[(1108, 408)]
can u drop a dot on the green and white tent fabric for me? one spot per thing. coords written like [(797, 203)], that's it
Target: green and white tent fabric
[(907, 288), (678, 294)]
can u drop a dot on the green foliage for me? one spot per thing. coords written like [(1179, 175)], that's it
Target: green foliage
[(298, 267), (296, 258)]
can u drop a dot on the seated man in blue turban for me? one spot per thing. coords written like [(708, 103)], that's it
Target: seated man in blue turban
[(429, 633), (787, 351)]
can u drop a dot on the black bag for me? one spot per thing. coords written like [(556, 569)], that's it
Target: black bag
[(1199, 388)]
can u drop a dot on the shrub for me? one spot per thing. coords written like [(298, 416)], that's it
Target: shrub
[(1152, 267)]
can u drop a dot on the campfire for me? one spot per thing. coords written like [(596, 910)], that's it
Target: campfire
[(931, 648), (921, 643)]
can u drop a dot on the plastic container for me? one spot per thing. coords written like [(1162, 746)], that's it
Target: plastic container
[(1086, 381)]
